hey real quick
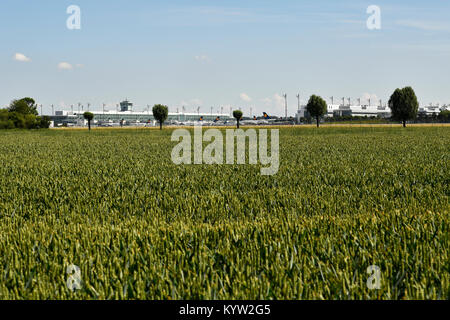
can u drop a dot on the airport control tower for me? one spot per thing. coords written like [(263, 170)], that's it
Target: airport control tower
[(125, 106)]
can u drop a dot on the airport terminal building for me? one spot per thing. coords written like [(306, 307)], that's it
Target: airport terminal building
[(126, 116)]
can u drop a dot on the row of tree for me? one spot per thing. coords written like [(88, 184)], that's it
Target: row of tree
[(22, 114), (403, 104)]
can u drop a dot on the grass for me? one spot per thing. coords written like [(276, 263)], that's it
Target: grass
[(140, 227)]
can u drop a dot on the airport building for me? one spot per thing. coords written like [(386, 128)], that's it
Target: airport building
[(431, 109), (126, 116), (340, 110)]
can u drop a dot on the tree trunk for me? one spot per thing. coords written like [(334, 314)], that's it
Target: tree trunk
[(404, 123), (318, 122), (160, 125), (238, 124), (89, 125)]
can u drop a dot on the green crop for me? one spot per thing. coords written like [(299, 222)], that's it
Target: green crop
[(140, 227)]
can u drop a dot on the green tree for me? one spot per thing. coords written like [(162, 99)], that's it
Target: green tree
[(160, 112), (44, 122), (88, 116), (24, 106), (237, 114), (317, 107), (404, 105)]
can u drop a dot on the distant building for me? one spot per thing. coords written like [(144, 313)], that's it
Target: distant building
[(129, 117), (432, 109), (340, 110)]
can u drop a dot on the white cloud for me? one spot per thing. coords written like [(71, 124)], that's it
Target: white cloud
[(65, 66), (245, 97), (278, 101), (275, 103), (21, 57), (203, 58)]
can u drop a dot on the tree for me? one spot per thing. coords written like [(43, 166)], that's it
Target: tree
[(88, 116), (23, 106), (316, 107), (43, 122), (404, 105), (237, 114), (160, 113)]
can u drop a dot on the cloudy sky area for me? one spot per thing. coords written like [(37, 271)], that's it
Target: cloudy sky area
[(221, 53)]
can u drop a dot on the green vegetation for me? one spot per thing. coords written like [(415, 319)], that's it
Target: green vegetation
[(237, 114), (88, 116), (22, 114), (404, 105), (160, 112), (140, 227), (316, 107)]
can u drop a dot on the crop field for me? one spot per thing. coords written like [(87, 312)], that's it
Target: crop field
[(140, 227)]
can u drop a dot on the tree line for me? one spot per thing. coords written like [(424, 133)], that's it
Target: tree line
[(22, 114)]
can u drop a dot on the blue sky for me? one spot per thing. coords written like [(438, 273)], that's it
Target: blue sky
[(221, 53)]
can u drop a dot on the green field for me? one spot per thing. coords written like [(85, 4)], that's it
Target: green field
[(140, 227)]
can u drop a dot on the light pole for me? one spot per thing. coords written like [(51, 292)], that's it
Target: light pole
[(52, 111), (89, 106), (285, 105), (41, 110), (298, 101), (332, 100)]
